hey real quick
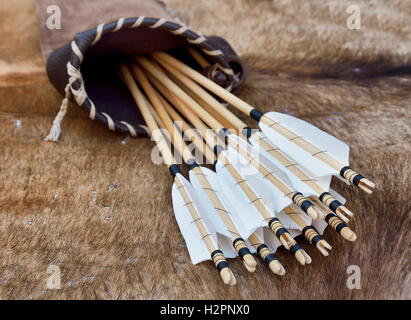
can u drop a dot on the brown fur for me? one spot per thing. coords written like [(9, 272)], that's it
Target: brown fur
[(124, 242)]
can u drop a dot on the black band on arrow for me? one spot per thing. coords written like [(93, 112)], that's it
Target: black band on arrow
[(224, 134), (322, 195), (272, 221), (215, 252), (297, 194), (343, 170), (280, 232), (174, 170), (334, 205), (305, 229), (357, 179), (247, 131), (222, 265), (329, 216), (223, 131), (316, 239), (256, 115), (217, 150), (193, 165), (305, 205), (243, 251), (261, 247), (295, 248), (236, 240), (270, 257), (340, 226)]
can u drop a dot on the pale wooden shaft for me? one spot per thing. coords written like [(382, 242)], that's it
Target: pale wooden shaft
[(174, 115), (207, 134), (205, 185), (295, 217), (304, 144), (205, 149), (144, 107), (324, 207), (276, 153), (204, 95), (224, 121), (314, 151), (282, 186), (255, 240), (256, 201), (244, 107), (198, 57), (197, 220), (212, 195), (204, 81), (286, 239), (267, 174), (206, 236), (161, 76), (178, 141)]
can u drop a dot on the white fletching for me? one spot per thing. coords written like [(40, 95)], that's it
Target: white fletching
[(232, 192), (312, 134), (271, 240), (213, 214), (323, 181), (196, 247), (320, 225), (271, 195), (206, 203), (337, 196)]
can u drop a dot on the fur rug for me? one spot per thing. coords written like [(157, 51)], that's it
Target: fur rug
[(96, 206)]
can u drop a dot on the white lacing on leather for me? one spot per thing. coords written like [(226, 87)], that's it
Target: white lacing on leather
[(120, 23), (199, 40), (99, 33), (146, 129), (225, 70), (138, 22), (80, 94), (180, 30), (213, 52), (93, 110), (55, 130), (110, 121), (158, 24), (77, 51), (130, 128)]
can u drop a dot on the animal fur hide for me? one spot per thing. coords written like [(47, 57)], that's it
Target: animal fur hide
[(97, 207)]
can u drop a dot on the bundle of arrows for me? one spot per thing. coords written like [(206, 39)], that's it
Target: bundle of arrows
[(258, 189)]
